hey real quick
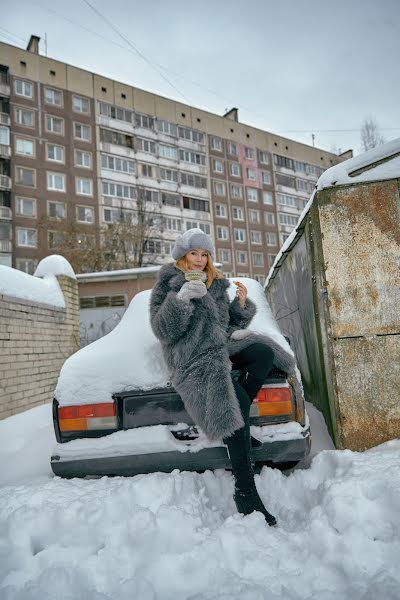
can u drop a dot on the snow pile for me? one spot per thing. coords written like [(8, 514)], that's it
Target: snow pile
[(377, 164), (178, 536), (27, 287), (129, 357), (54, 265)]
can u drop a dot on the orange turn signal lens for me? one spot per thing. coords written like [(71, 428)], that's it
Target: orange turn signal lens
[(272, 401), (87, 416)]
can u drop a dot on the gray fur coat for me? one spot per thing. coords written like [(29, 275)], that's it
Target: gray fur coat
[(196, 342)]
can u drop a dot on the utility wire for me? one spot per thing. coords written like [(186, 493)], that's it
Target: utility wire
[(136, 50)]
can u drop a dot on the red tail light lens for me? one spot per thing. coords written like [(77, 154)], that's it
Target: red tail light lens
[(272, 401), (86, 417)]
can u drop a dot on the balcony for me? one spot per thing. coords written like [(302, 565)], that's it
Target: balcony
[(4, 84), (6, 246), (5, 213), (5, 151), (5, 182), (5, 119)]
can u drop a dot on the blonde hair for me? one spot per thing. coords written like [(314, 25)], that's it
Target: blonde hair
[(211, 272)]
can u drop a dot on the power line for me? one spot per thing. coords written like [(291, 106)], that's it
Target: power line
[(132, 45)]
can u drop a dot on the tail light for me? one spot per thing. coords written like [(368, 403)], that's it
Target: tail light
[(274, 400), (87, 417)]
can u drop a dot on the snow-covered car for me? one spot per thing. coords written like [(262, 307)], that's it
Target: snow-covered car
[(115, 411)]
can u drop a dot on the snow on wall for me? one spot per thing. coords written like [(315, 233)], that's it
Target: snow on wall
[(27, 287), (54, 265)]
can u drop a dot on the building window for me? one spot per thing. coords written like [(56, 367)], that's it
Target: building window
[(152, 246), (80, 105), (271, 259), (5, 136), (192, 157), (221, 211), (263, 157), (266, 177), (55, 124), (267, 198), (217, 165), (284, 161), (224, 255), (249, 153), (252, 195), (169, 175), (84, 159), (84, 186), (232, 149), (24, 147), (146, 145), (237, 213), (82, 132), (146, 170), (194, 180), (236, 191), (55, 153), (240, 235), (285, 180), (255, 237), (271, 239), (26, 177), (241, 257), (55, 239), (115, 112), (115, 137), (251, 174), (222, 233), (258, 259), (26, 237), (174, 224), (148, 195), (216, 144), (24, 117), (269, 218), (196, 204), (196, 225), (170, 199), (112, 163), (234, 169), (288, 219), (27, 265), (23, 88), (254, 216), (85, 214), (219, 188), (26, 207), (190, 134), (167, 128), (168, 152), (52, 96), (118, 190), (144, 121), (56, 182), (56, 210)]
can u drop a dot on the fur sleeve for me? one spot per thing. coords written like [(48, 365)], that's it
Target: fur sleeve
[(241, 317), (169, 316)]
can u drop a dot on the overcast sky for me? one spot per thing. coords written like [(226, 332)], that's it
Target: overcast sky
[(293, 67)]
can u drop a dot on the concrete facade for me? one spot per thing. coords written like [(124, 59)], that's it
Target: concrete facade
[(35, 340)]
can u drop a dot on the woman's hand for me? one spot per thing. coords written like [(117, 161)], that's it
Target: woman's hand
[(241, 293)]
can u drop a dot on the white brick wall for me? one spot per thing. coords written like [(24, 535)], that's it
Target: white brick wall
[(35, 340)]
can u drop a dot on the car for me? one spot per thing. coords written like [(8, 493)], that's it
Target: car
[(115, 411)]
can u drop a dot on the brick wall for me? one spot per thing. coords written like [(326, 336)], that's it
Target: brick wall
[(35, 340)]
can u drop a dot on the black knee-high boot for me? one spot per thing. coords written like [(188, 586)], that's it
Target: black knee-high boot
[(251, 385), (246, 496)]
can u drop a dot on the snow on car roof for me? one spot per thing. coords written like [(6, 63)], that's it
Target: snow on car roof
[(130, 357)]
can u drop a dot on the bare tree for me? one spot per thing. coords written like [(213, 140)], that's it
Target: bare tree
[(132, 238), (370, 135)]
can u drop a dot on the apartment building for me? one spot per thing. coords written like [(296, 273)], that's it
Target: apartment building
[(79, 149)]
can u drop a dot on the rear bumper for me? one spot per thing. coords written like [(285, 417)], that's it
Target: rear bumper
[(279, 451)]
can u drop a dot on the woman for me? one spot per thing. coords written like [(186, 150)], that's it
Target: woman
[(203, 336)]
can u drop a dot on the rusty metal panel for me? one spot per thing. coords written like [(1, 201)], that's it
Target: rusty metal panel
[(360, 232), (368, 389)]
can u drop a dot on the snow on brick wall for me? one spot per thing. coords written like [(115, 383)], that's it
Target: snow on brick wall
[(35, 340)]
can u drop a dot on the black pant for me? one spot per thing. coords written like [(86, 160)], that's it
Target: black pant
[(256, 360)]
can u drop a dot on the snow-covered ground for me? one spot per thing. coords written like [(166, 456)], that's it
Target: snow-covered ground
[(178, 536)]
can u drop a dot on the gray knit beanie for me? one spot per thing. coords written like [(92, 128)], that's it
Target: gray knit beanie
[(192, 238)]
